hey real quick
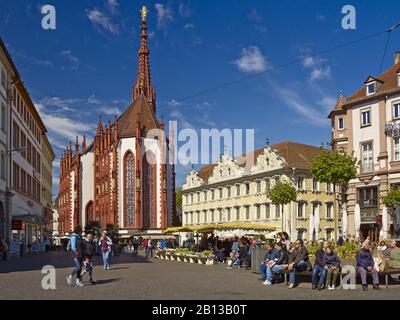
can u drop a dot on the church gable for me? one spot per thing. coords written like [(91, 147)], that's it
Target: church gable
[(268, 160), (227, 168)]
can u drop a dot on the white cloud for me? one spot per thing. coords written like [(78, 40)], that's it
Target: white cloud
[(181, 120), (74, 61), (93, 100), (174, 103), (196, 41), (188, 26), (318, 67), (101, 22), (184, 10), (64, 104), (112, 5), (320, 73), (294, 101), (110, 111), (251, 60), (164, 15)]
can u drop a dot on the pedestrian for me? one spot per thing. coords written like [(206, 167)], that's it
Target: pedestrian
[(365, 266), (340, 240), (278, 265), (150, 248), (145, 245), (270, 259), (382, 246), (89, 249), (76, 246), (3, 249), (135, 245), (105, 244)]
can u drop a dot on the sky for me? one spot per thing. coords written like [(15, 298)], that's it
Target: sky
[(85, 68)]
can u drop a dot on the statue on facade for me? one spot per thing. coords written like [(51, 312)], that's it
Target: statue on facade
[(395, 214)]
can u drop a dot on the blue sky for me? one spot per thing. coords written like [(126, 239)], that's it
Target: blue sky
[(86, 67)]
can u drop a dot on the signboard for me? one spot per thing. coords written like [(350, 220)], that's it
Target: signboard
[(16, 224)]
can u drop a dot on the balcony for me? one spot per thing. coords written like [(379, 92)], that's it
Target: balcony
[(392, 129), (366, 168)]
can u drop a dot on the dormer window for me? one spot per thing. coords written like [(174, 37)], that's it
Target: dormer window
[(371, 88), (341, 123)]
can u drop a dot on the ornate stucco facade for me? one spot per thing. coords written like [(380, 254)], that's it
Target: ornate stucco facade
[(228, 192)]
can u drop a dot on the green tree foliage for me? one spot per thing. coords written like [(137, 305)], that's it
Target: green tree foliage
[(392, 197), (334, 167), (282, 193), (178, 197), (93, 227), (113, 231)]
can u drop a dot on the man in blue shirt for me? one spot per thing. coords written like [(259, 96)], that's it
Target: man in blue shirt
[(271, 256)]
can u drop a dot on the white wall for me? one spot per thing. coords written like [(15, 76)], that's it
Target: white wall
[(87, 183)]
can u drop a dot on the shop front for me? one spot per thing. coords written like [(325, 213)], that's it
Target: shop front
[(29, 230)]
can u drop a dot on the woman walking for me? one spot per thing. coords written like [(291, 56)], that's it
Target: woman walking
[(105, 246)]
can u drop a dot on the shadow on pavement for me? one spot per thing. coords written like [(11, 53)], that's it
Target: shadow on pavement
[(100, 282), (61, 259)]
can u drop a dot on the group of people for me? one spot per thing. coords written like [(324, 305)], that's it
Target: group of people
[(241, 253), (83, 251), (283, 257)]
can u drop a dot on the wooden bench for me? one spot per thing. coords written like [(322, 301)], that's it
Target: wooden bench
[(388, 272)]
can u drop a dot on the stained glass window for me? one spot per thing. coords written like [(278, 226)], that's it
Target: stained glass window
[(130, 190), (149, 183)]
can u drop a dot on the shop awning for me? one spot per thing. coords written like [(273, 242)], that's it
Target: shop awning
[(209, 228), (31, 219)]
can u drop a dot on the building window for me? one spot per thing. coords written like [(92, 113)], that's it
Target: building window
[(212, 216), (329, 210), (247, 188), (397, 149), (341, 123), (301, 210), (367, 197), (365, 118), (221, 215), (367, 163), (228, 214), (259, 186), (229, 192), (247, 213), (212, 194), (329, 187), (315, 185), (3, 118), (205, 216), (3, 79), (396, 111), (300, 183), (205, 195), (220, 194), (277, 211), (258, 209), (238, 190), (267, 211), (3, 167), (237, 214), (371, 88), (198, 196)]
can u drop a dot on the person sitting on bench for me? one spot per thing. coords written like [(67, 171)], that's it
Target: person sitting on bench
[(365, 266), (394, 259), (278, 265), (270, 258), (332, 266), (319, 268), (298, 261)]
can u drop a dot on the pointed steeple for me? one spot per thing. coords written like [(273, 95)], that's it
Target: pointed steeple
[(340, 101), (143, 81), (84, 144)]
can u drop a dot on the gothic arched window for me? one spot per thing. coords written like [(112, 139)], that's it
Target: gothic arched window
[(129, 189)]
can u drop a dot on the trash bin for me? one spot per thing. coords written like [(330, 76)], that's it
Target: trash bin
[(257, 256)]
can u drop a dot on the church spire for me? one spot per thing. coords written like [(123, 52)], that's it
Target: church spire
[(143, 81)]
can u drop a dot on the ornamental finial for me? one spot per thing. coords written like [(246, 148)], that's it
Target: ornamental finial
[(144, 12)]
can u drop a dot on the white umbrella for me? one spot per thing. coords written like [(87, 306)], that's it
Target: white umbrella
[(344, 223), (311, 231), (316, 222), (357, 220), (385, 222)]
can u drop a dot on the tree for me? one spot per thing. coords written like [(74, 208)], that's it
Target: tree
[(334, 167), (178, 197), (391, 198), (282, 193), (93, 227), (113, 231)]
